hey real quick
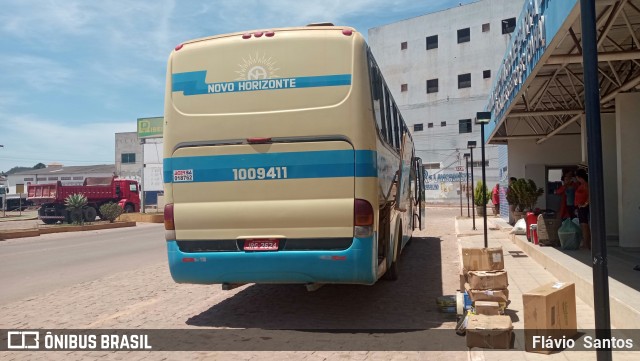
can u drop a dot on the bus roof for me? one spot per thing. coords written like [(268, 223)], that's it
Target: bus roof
[(310, 27)]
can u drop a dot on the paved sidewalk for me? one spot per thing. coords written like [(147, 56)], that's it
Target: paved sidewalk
[(524, 274)]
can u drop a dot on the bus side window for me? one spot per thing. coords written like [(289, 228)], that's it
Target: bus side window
[(380, 111), (387, 106), (396, 127)]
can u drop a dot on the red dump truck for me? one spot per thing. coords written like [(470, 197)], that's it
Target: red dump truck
[(98, 190)]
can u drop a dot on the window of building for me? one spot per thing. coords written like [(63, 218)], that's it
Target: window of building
[(486, 74), (435, 165), (464, 81), (403, 87), (508, 25), (464, 126), (128, 157), (417, 127), (432, 42), (53, 178), (478, 164), (486, 27), (65, 178), (28, 179), (41, 178), (430, 125), (443, 124), (464, 35), (403, 45), (432, 86), (78, 178)]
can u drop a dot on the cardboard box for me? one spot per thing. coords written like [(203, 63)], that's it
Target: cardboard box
[(487, 308), (489, 332), (487, 295), (488, 280), (482, 259), (549, 311)]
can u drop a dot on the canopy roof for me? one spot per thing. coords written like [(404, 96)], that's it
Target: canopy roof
[(547, 98)]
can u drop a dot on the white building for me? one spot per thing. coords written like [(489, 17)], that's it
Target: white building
[(440, 68)]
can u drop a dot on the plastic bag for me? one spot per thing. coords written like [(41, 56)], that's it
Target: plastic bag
[(520, 227), (570, 235)]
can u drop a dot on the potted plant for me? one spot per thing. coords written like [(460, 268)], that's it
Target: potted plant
[(527, 193), (512, 199), (478, 199)]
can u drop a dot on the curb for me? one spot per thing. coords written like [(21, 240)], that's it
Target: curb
[(22, 233), (623, 315)]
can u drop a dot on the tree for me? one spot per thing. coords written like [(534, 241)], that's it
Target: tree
[(39, 166)]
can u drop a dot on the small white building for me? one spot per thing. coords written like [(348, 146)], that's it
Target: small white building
[(440, 68)]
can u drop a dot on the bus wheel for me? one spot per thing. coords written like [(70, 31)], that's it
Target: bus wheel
[(392, 270)]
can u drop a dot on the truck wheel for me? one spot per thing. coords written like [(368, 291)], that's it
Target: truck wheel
[(41, 213), (128, 208), (90, 214), (76, 215)]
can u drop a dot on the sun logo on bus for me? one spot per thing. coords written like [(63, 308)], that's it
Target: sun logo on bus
[(257, 66)]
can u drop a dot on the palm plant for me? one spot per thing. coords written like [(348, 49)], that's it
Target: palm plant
[(527, 193), (478, 200), (75, 203)]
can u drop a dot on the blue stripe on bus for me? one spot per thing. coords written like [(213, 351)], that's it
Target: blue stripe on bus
[(300, 165), (194, 83)]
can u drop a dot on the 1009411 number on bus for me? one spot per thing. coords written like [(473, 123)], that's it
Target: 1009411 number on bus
[(240, 174)]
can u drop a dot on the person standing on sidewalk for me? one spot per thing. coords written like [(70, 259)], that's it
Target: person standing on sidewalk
[(495, 199), (567, 191), (582, 202)]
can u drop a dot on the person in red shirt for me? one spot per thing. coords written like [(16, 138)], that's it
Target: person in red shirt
[(582, 203), (567, 192), (495, 199)]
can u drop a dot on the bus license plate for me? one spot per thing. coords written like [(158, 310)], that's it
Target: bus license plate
[(261, 245)]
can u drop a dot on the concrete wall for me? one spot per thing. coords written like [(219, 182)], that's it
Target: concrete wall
[(415, 65), (628, 167), (128, 143), (529, 160)]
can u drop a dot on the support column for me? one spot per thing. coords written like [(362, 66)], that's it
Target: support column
[(628, 148)]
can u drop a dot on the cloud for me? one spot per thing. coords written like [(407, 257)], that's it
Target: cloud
[(35, 139), (37, 73)]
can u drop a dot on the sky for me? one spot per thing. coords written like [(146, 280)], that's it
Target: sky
[(75, 72)]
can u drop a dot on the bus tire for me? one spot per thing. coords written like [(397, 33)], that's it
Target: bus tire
[(392, 271)]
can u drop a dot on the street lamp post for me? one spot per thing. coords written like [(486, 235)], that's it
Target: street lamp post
[(466, 162), (483, 118), (472, 144)]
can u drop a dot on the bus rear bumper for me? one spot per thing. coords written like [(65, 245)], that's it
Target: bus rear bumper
[(355, 265)]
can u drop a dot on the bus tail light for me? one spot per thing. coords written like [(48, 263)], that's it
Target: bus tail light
[(347, 32), (246, 36), (269, 34), (168, 217), (362, 218)]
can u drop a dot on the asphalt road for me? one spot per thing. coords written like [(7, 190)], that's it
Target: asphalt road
[(36, 265)]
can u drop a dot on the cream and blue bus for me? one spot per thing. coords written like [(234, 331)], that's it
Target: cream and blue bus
[(286, 160)]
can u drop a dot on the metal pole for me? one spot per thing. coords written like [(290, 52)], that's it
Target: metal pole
[(596, 183), (473, 209), (460, 186), (467, 164), (142, 185), (484, 186)]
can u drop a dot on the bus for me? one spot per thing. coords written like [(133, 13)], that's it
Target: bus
[(286, 160)]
